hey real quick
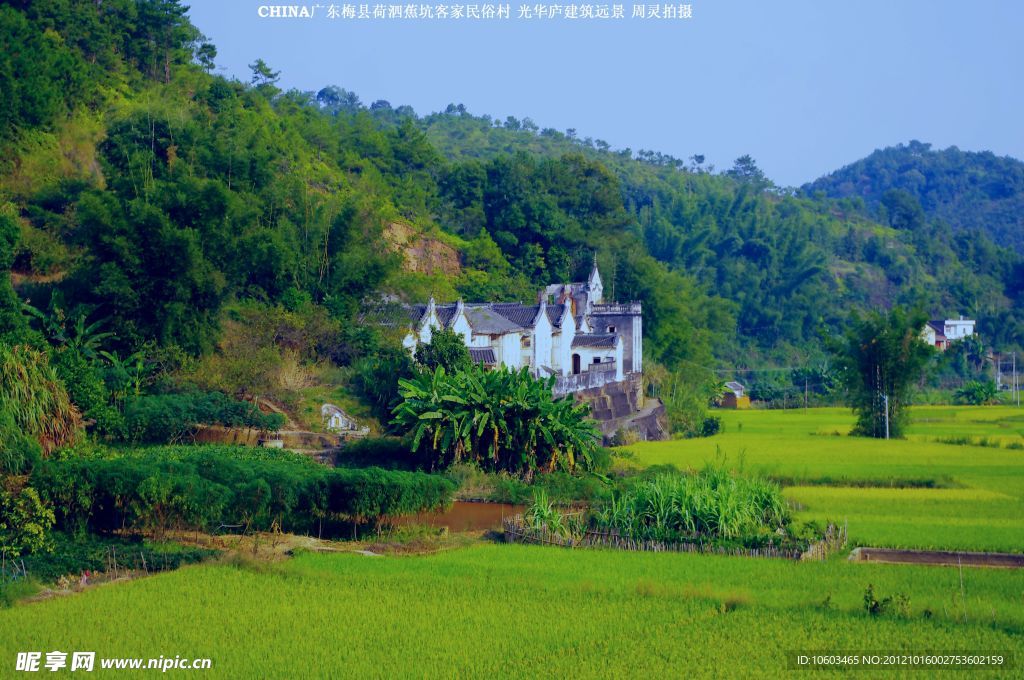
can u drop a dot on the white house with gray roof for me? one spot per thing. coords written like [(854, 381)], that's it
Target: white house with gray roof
[(570, 333)]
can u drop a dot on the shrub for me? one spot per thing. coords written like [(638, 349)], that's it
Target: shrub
[(25, 522), (977, 392), (169, 418), (385, 452), (203, 489)]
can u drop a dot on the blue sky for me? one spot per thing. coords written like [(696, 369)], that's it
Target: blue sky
[(803, 86)]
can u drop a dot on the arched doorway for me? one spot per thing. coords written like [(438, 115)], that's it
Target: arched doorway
[(575, 364)]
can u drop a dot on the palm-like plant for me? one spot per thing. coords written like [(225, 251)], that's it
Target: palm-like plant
[(503, 420)]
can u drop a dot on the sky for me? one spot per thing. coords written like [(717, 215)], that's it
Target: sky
[(803, 86)]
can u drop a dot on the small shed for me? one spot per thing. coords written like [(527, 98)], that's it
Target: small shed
[(735, 395), (336, 420)]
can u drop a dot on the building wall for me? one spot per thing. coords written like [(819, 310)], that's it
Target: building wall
[(461, 326), (561, 346), (507, 349), (629, 327), (541, 344), (958, 328)]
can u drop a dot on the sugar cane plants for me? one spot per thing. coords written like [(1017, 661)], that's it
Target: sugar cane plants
[(712, 504), (501, 419)]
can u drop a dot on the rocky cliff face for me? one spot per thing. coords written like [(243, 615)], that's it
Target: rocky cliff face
[(422, 253)]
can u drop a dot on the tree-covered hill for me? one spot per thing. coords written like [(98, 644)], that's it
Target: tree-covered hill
[(794, 264), (968, 191), (141, 192)]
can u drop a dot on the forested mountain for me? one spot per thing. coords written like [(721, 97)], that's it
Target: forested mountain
[(965, 190), (140, 192), (792, 265)]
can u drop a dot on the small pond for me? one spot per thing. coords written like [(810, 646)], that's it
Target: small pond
[(466, 516)]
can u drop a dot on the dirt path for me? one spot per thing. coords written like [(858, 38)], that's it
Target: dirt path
[(939, 557)]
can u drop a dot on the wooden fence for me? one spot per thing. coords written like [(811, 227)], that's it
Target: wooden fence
[(517, 531)]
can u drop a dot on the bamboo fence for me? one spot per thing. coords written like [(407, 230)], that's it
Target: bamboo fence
[(517, 531)]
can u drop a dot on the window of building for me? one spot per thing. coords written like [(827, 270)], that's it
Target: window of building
[(611, 329)]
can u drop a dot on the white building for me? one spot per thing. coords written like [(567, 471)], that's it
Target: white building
[(940, 332), (571, 333)]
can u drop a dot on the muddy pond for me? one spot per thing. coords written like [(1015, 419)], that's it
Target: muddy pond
[(466, 516)]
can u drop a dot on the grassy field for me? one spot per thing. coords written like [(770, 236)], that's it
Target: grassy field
[(493, 610), (514, 611), (978, 505)]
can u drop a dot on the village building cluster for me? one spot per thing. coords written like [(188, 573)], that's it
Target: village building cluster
[(571, 333)]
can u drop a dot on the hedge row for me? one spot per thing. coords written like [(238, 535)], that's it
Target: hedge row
[(205, 490), (164, 418)]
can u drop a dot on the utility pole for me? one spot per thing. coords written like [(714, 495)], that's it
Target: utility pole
[(885, 398), (1016, 392)]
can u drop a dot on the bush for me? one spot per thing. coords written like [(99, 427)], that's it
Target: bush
[(18, 453), (169, 418), (73, 555), (202, 489), (25, 522), (385, 452), (977, 392)]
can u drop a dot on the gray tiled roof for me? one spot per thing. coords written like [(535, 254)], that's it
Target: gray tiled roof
[(595, 340), (482, 355), (483, 319), (555, 313), (445, 314), (519, 314)]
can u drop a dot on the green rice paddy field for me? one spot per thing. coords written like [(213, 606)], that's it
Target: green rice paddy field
[(517, 611), (493, 610), (979, 504)]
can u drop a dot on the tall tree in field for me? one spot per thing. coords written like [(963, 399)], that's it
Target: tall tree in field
[(881, 357)]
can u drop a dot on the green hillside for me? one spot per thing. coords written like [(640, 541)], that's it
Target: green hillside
[(224, 227), (965, 190)]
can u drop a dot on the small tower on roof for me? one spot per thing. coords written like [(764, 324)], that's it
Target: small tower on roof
[(594, 284)]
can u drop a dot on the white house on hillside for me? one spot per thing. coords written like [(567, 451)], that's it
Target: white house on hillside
[(570, 333), (939, 333)]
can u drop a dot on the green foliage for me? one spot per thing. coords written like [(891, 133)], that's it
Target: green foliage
[(882, 358), (977, 392), (710, 504), (13, 326), (446, 349), (898, 604), (169, 418), (383, 452), (34, 396), (73, 555), (501, 419), (25, 522), (200, 488), (378, 378), (18, 452), (967, 190), (671, 611)]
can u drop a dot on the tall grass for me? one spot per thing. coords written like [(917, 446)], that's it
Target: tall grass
[(712, 503), (38, 401)]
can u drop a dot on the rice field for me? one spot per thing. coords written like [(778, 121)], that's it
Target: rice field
[(978, 505), (522, 611), (494, 610)]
